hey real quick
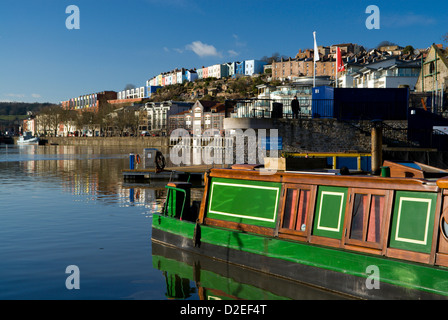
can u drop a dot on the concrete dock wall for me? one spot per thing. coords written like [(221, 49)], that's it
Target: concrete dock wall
[(143, 142)]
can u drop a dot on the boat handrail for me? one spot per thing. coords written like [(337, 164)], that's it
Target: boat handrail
[(166, 202)]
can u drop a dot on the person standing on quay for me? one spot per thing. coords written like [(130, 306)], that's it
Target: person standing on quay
[(295, 108)]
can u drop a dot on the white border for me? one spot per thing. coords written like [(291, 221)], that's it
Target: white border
[(428, 215), (340, 194), (240, 215)]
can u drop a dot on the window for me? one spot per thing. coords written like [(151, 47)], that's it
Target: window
[(432, 67), (297, 205), (366, 219), (413, 221), (329, 213)]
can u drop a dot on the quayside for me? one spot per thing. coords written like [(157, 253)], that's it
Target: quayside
[(371, 237)]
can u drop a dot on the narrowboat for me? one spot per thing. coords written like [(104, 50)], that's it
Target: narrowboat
[(361, 235)]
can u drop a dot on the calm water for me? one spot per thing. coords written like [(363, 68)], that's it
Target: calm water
[(62, 206)]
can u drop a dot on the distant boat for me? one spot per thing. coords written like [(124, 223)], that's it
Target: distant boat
[(28, 138)]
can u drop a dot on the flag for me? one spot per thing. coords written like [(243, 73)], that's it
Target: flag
[(339, 64), (316, 50)]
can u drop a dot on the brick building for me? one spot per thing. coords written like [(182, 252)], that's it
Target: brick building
[(291, 68)]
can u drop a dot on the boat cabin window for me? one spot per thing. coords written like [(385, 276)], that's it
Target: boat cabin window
[(330, 212), (365, 220), (297, 203), (413, 221)]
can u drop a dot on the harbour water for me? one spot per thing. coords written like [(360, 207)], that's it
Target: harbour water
[(64, 206)]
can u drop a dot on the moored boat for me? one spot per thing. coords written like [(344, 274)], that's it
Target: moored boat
[(373, 237), (28, 138)]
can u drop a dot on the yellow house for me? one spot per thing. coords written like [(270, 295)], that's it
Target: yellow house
[(433, 76)]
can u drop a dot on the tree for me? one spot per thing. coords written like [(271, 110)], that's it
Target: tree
[(129, 86), (102, 118), (50, 117), (275, 57), (408, 49), (385, 44), (445, 37), (127, 118)]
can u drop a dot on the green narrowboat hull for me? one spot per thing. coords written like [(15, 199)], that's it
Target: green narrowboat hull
[(335, 269)]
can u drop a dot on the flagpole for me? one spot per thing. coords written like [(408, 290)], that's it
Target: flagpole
[(337, 67), (316, 57)]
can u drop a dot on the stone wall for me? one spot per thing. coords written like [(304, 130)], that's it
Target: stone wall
[(321, 135), (143, 142)]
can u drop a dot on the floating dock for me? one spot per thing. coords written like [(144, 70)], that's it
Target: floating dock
[(191, 173)]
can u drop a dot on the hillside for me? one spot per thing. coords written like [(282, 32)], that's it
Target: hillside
[(12, 113), (211, 89), (20, 108)]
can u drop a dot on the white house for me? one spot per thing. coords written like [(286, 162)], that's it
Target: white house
[(402, 74), (387, 73)]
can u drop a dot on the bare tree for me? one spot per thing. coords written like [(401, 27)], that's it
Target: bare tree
[(126, 119), (50, 117), (102, 117)]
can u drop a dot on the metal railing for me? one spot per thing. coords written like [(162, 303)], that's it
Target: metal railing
[(269, 108)]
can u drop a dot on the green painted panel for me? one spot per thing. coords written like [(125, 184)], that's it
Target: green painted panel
[(330, 210), (413, 221), (242, 201)]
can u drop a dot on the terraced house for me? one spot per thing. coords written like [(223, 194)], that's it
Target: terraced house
[(89, 102)]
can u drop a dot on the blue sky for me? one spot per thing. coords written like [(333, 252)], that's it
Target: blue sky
[(128, 42)]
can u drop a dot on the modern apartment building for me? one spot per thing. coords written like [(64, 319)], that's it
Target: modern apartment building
[(387, 73), (391, 77)]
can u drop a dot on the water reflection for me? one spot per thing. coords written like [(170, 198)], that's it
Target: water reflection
[(69, 205), (93, 172), (187, 274)]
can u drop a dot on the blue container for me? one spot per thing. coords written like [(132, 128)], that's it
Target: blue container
[(360, 103), (322, 105), (132, 161)]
